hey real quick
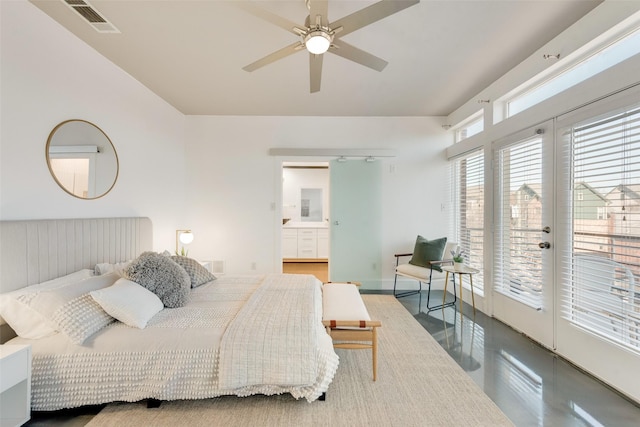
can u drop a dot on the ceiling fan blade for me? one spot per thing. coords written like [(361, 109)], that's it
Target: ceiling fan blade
[(273, 57), (318, 7), (371, 14), (281, 22), (354, 54), (315, 72)]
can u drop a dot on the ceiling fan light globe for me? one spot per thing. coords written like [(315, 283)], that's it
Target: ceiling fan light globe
[(317, 42)]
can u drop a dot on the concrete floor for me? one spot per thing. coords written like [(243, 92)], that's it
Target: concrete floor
[(530, 384)]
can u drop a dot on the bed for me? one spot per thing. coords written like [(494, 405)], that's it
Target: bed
[(239, 335)]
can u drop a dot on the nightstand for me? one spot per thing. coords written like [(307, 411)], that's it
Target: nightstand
[(15, 385)]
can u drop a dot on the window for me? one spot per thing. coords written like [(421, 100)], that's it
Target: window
[(572, 70), (472, 126), (601, 212), (468, 212), (518, 264), (602, 264), (74, 173)]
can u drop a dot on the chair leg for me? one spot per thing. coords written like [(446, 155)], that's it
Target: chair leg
[(437, 307), (405, 293)]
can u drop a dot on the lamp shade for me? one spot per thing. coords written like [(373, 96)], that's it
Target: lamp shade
[(183, 236), (186, 237)]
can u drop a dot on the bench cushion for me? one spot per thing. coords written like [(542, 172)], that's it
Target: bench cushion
[(342, 301)]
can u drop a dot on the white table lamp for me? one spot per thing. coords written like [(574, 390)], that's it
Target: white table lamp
[(183, 236)]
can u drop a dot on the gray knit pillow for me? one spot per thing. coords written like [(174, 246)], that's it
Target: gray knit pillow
[(162, 276), (198, 274)]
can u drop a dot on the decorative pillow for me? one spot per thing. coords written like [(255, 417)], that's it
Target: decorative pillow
[(105, 268), (162, 276), (428, 250), (80, 318), (71, 308), (128, 302), (198, 274), (24, 320)]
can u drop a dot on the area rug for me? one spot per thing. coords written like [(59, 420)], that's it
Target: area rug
[(418, 385)]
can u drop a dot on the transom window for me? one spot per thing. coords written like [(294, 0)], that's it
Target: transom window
[(569, 71)]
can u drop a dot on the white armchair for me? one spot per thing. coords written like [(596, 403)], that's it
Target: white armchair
[(422, 273)]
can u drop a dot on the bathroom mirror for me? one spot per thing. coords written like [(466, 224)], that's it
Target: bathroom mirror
[(82, 159), (311, 204)]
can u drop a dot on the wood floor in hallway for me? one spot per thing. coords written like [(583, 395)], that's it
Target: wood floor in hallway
[(318, 269)]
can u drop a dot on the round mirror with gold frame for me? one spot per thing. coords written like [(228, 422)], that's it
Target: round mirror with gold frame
[(82, 159)]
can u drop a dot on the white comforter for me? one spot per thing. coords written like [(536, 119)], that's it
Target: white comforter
[(272, 340), (197, 351)]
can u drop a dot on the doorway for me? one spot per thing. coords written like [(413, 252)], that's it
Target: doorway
[(305, 218), (348, 239)]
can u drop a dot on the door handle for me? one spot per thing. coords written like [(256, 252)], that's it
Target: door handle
[(546, 229), (544, 245)]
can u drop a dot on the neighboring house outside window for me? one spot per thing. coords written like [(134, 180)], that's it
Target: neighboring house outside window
[(468, 212)]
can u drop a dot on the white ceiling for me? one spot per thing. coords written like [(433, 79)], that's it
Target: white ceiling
[(440, 53)]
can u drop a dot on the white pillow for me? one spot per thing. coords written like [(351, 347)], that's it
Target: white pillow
[(106, 268), (72, 310), (24, 320), (129, 302)]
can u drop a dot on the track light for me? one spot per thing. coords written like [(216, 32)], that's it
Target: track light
[(370, 159), (341, 159)]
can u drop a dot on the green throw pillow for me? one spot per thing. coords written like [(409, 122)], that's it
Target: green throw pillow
[(428, 250)]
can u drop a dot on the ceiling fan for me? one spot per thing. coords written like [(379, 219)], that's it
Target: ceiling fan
[(319, 36)]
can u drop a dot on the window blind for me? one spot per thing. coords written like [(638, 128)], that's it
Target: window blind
[(601, 268), (468, 212), (518, 181)]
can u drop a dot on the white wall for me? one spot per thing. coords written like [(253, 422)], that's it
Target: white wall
[(47, 76), (230, 192), (234, 186)]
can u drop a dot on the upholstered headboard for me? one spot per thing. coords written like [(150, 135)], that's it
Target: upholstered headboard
[(33, 251)]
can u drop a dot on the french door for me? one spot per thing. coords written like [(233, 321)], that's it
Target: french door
[(598, 256), (523, 291)]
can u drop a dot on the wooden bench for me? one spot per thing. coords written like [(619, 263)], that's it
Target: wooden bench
[(347, 320)]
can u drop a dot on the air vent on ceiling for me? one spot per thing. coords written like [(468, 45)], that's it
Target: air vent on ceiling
[(92, 16)]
